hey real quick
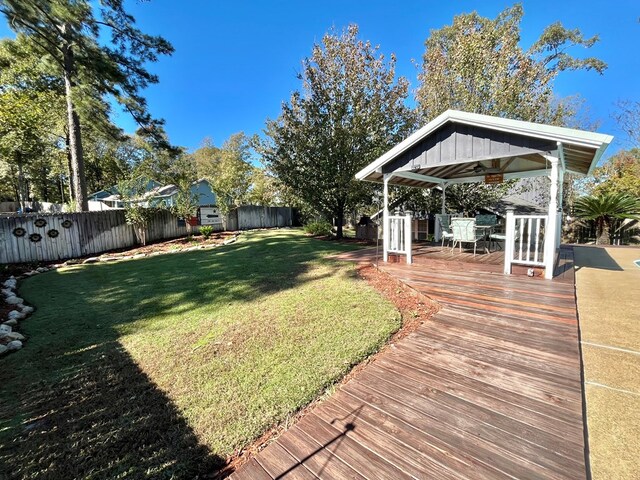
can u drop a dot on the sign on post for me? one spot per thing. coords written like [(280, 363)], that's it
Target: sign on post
[(493, 178)]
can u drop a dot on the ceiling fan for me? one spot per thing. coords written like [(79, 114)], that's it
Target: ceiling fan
[(481, 169)]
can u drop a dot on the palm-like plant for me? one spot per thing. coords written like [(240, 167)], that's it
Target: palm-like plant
[(603, 209)]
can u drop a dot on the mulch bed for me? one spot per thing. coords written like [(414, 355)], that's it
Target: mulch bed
[(414, 308), (173, 245)]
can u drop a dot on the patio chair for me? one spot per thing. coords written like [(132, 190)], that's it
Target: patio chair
[(497, 237), (464, 231), (488, 220), (445, 228)]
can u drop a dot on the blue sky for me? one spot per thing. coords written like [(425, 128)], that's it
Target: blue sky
[(235, 62)]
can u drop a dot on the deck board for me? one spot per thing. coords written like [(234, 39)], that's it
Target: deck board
[(490, 387)]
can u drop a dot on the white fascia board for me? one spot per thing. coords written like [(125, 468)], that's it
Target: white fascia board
[(419, 177), (538, 130), (407, 143), (595, 140), (596, 158)]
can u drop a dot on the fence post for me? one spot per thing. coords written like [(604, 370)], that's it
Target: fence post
[(407, 237), (510, 237)]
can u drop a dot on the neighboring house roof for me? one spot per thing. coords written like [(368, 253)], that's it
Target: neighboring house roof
[(442, 150), (516, 203), (157, 192), (101, 194)]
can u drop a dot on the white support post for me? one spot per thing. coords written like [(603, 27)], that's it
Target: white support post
[(407, 237), (560, 193), (510, 236), (444, 198), (552, 222), (385, 219)]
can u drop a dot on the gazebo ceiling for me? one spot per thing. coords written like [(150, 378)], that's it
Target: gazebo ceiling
[(461, 147)]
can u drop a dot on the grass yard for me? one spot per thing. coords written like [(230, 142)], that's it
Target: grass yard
[(163, 367)]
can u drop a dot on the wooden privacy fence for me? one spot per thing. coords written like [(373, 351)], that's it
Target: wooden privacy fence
[(252, 216), (50, 237)]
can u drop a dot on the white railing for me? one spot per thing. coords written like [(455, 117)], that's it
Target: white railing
[(399, 237), (525, 240)]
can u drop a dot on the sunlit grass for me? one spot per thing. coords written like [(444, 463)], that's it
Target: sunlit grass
[(225, 343)]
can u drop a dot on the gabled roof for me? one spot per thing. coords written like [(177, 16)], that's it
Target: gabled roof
[(581, 150)]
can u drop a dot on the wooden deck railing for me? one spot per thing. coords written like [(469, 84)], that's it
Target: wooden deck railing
[(399, 238), (525, 240)]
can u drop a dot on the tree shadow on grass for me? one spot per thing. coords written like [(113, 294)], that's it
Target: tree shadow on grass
[(175, 284), (74, 404), (103, 419)]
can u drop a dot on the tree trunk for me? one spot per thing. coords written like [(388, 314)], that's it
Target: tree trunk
[(602, 229), (339, 222), (75, 137), (72, 194), (22, 190)]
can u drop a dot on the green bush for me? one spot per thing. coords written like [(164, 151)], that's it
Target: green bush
[(318, 228), (206, 230)]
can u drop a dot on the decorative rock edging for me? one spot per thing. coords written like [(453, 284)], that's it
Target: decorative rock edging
[(12, 341)]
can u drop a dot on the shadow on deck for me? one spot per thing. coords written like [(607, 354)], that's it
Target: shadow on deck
[(489, 387)]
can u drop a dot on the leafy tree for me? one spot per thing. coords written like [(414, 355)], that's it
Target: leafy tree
[(264, 188), (350, 110), (620, 174), (70, 35), (604, 209), (477, 65), (470, 197), (29, 121), (628, 117), (186, 203), (227, 169), (136, 212)]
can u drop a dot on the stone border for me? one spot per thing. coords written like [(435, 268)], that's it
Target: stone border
[(11, 341)]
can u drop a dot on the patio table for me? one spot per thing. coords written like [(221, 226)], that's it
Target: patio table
[(486, 230)]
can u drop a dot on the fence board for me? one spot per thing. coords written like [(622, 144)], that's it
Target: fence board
[(95, 232)]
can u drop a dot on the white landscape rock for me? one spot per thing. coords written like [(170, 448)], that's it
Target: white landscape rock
[(91, 260), (7, 292), (12, 322), (10, 283), (4, 330), (15, 336), (15, 315), (13, 300), (14, 345), (3, 349), (26, 309), (42, 269)]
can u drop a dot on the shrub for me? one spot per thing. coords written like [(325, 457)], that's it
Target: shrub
[(206, 231), (318, 228)]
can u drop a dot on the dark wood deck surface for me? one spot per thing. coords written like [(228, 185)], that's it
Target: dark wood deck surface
[(490, 387)]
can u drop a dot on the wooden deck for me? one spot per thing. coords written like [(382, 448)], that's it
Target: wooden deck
[(490, 387)]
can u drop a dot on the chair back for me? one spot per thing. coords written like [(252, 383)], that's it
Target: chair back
[(486, 219), (463, 229), (444, 221)]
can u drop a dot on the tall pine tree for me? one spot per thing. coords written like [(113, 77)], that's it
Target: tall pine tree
[(70, 33)]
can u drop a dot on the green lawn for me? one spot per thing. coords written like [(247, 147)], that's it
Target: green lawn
[(162, 367)]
